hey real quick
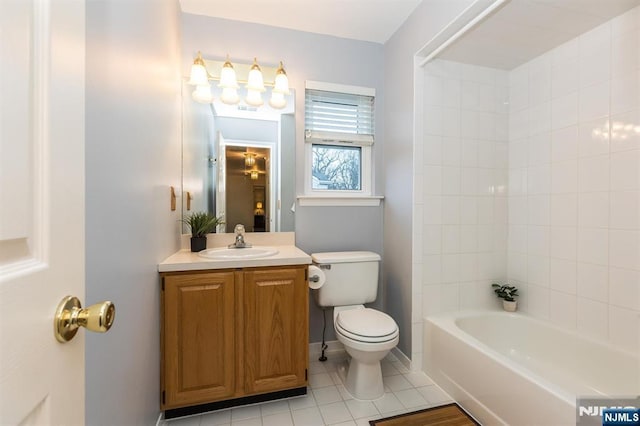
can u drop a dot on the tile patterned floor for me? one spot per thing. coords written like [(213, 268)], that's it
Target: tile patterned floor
[(328, 403)]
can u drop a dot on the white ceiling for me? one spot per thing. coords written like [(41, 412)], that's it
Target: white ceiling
[(524, 29), (517, 32), (368, 20)]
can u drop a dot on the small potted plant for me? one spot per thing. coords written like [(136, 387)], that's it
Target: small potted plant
[(508, 294), (201, 223)]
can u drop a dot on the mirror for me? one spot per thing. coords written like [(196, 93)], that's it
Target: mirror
[(238, 162)]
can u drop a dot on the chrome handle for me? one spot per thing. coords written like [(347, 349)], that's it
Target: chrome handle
[(70, 316), (314, 278)]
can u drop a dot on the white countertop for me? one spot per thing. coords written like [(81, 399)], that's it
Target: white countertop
[(185, 260)]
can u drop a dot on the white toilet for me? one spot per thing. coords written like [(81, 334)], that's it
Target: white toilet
[(367, 334)]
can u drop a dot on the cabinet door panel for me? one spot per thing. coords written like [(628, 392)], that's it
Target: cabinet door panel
[(275, 329), (199, 338)]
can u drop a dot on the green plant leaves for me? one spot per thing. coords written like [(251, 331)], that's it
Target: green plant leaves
[(202, 223)]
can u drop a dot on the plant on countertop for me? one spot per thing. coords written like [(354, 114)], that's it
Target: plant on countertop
[(505, 291), (202, 223)]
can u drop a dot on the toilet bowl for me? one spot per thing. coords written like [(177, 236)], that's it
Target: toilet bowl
[(367, 335)]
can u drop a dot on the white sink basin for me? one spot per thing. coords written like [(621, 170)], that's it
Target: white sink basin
[(224, 253)]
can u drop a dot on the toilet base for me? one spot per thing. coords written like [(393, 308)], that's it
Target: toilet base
[(364, 380)]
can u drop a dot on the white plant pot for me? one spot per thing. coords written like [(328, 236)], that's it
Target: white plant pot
[(509, 306)]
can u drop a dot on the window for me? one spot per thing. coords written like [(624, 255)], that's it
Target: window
[(339, 135), (336, 167)]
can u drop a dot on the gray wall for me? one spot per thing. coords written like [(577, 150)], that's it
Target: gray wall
[(426, 21), (306, 56), (132, 157)]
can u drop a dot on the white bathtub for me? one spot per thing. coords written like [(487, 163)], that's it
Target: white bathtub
[(516, 370)]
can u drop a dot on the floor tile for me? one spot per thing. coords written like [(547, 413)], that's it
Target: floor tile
[(280, 419), (327, 395), (335, 413), (185, 421), (216, 418), (388, 403), (256, 421), (316, 367), (418, 379), (388, 369), (400, 367), (307, 417), (360, 409), (351, 423), (301, 402), (274, 407), (434, 394), (411, 398), (397, 412), (365, 421), (335, 377), (248, 412), (320, 380), (397, 383), (344, 393)]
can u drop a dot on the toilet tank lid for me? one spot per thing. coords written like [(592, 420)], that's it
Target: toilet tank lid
[(345, 256)]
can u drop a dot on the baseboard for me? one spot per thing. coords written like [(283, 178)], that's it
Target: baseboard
[(236, 402), (334, 348), (402, 357)]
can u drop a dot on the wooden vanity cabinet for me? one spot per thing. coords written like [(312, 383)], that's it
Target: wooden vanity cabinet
[(229, 334), (276, 340)]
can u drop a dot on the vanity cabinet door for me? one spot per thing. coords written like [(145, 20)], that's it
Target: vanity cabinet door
[(199, 362), (275, 305)]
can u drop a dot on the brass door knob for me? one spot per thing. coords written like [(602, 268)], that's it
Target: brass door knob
[(70, 316)]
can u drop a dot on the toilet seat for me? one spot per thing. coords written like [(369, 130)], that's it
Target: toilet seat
[(366, 325)]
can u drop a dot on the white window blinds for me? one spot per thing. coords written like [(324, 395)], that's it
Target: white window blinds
[(338, 117)]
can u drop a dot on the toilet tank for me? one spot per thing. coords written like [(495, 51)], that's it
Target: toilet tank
[(352, 277)]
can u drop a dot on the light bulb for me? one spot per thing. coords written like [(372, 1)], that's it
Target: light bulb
[(255, 80), (228, 76), (199, 75), (202, 94), (277, 100), (281, 85), (254, 98), (230, 96)]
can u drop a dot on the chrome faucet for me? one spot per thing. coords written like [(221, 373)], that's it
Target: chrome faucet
[(239, 242)]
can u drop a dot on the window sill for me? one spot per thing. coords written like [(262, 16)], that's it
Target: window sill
[(341, 201)]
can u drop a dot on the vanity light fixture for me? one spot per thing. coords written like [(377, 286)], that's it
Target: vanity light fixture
[(228, 83), (259, 205), (254, 175)]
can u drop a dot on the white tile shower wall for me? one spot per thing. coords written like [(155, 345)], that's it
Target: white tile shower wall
[(574, 181), (460, 191)]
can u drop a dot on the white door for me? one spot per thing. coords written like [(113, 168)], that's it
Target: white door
[(42, 46)]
